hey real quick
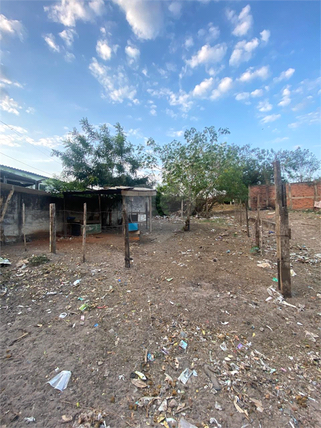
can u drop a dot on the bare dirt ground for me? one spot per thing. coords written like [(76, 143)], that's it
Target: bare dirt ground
[(253, 360)]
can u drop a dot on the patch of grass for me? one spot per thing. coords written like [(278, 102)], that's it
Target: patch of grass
[(38, 260)]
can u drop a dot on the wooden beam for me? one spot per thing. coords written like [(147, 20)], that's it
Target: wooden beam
[(52, 229), (126, 237), (24, 225), (84, 233), (282, 233), (150, 214)]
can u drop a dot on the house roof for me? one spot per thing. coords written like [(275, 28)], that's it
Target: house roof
[(19, 177), (116, 190)]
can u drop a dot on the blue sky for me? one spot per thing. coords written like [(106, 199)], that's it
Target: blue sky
[(158, 68)]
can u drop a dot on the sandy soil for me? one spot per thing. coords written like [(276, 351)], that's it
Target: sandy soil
[(254, 360)]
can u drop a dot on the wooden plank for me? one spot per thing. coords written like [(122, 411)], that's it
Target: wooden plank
[(52, 229), (282, 233), (84, 233), (24, 225), (126, 236), (150, 214)]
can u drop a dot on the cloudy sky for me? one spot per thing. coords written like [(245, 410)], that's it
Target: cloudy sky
[(158, 68)]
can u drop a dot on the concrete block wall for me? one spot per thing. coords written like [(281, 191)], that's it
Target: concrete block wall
[(37, 213), (300, 196)]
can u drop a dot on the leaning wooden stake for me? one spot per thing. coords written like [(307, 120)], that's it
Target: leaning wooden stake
[(282, 233), (52, 232), (24, 225), (257, 229), (5, 207), (84, 227), (126, 238), (247, 218)]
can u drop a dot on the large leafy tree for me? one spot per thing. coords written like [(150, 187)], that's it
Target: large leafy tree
[(95, 157), (189, 168)]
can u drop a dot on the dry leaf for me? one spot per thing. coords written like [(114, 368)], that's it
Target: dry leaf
[(139, 383)]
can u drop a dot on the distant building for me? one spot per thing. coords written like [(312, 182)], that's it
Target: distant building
[(18, 177)]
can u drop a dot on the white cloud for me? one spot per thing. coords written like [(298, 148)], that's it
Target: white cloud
[(189, 42), (181, 99), (175, 8), (270, 118), (311, 118), (171, 113), (132, 53), (19, 129), (242, 96), (50, 142), (9, 104), (114, 81), (265, 35), (286, 100), (243, 51), (279, 139), (4, 81), (103, 50), (202, 89), (210, 33), (68, 36), (257, 93), (262, 73), (30, 110), (145, 17), (145, 72), (174, 134), (224, 86), (264, 106), (51, 42), (69, 57), (68, 12), (153, 112), (207, 55), (11, 27), (243, 22), (285, 75)]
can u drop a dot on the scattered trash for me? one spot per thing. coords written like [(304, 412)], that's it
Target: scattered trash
[(185, 375), (31, 419), (3, 291), (264, 265), (77, 282), (140, 375), (183, 423), (292, 272), (275, 280), (139, 383), (218, 406), (223, 346), (63, 315), (228, 251), (214, 421), (169, 279), (60, 381), (96, 325), (150, 357), (238, 408), (66, 418), (208, 370), (239, 346), (163, 406), (83, 307), (311, 336), (183, 344), (259, 406), (4, 262)]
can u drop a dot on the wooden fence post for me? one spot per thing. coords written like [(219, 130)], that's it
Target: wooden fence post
[(150, 214), (84, 233), (52, 232), (247, 218), (126, 237), (282, 233), (24, 225)]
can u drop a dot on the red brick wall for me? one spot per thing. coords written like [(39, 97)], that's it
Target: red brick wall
[(300, 196)]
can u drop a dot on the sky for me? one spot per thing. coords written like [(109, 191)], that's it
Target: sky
[(158, 68)]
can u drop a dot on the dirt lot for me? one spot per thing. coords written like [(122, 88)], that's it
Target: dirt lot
[(254, 361)]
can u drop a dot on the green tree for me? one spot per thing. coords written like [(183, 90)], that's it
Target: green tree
[(95, 157), (298, 165), (189, 167)]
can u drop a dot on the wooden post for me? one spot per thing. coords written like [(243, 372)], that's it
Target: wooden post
[(282, 233), (126, 237), (146, 213), (261, 235), (84, 233), (247, 217), (24, 225), (257, 229), (150, 214), (182, 208), (65, 218), (52, 232)]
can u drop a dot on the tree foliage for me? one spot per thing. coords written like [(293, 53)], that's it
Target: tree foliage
[(95, 157)]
